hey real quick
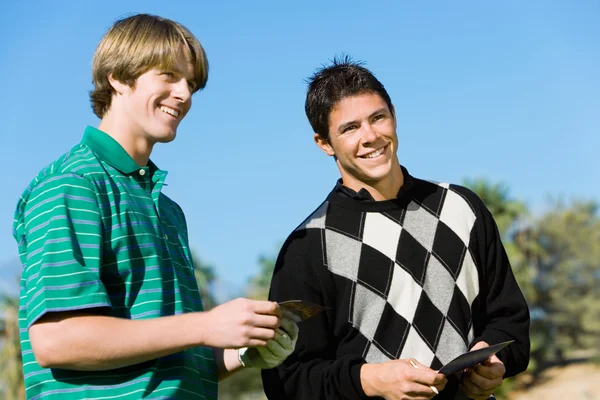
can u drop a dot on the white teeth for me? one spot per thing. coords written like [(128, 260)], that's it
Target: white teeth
[(169, 111), (374, 154)]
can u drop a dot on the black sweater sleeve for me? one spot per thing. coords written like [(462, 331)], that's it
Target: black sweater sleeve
[(503, 312), (315, 370)]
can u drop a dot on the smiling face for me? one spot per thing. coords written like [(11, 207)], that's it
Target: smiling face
[(161, 97), (362, 137)]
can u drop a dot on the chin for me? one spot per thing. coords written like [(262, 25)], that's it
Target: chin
[(376, 176), (165, 138)]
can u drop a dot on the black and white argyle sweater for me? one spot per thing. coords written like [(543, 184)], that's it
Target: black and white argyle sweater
[(424, 275)]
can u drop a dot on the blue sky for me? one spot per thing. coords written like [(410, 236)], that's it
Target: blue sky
[(509, 91)]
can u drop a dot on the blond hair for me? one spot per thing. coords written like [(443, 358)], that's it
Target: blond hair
[(136, 44)]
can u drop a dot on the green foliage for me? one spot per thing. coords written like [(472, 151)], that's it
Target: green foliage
[(244, 385), (258, 288), (567, 281), (247, 384), (205, 277), (11, 367), (556, 260), (506, 211)]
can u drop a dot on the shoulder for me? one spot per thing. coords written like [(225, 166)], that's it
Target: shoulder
[(316, 219), (74, 165), (450, 198), (66, 176), (307, 233)]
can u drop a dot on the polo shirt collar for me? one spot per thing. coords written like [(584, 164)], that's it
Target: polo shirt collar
[(110, 151)]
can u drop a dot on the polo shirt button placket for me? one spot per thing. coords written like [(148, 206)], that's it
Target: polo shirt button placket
[(144, 180)]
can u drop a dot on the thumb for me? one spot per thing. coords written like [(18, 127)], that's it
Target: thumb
[(492, 359), (479, 345)]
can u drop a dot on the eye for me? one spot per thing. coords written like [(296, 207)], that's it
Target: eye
[(168, 74), (192, 85), (349, 128), (378, 117)]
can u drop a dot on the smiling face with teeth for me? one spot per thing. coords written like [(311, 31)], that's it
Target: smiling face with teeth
[(150, 111), (362, 137)]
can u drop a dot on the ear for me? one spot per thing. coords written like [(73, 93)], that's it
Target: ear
[(117, 85), (324, 144), (394, 116)]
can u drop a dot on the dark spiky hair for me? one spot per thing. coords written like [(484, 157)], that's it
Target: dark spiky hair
[(330, 84)]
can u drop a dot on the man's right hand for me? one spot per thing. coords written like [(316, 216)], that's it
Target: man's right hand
[(241, 323), (399, 380)]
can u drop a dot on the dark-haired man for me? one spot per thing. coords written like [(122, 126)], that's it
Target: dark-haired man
[(413, 273)]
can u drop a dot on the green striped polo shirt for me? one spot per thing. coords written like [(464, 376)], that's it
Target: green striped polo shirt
[(95, 232)]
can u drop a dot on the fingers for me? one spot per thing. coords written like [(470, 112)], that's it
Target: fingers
[(492, 369), (290, 327), (279, 347), (265, 307), (271, 355), (473, 391), (261, 335), (251, 343), (419, 391), (477, 386), (482, 382), (265, 321), (427, 375)]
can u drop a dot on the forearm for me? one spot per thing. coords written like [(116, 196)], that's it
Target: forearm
[(87, 342), (506, 314), (227, 362)]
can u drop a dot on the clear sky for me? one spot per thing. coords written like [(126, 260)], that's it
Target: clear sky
[(508, 90)]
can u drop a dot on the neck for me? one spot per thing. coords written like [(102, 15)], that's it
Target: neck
[(129, 137), (384, 189)]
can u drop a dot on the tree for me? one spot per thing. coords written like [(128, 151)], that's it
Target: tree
[(247, 384), (261, 282), (513, 221), (205, 277), (496, 196), (509, 215), (566, 301), (556, 260), (11, 367)]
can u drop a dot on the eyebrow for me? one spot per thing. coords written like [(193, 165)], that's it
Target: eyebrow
[(382, 110), (175, 69)]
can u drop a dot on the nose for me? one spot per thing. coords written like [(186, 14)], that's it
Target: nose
[(369, 134), (181, 90)]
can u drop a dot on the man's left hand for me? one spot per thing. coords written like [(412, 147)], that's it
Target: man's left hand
[(276, 350), (479, 382)]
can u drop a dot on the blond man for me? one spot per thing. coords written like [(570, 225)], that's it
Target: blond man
[(110, 307)]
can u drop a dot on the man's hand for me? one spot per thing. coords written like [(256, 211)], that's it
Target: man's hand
[(479, 382), (399, 380), (239, 323), (276, 351)]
